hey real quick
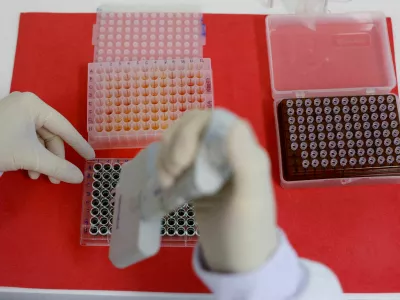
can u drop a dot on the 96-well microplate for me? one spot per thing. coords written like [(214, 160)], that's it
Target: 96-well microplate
[(339, 137), (178, 228), (131, 103), (130, 36)]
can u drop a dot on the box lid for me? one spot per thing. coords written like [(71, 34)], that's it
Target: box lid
[(329, 55)]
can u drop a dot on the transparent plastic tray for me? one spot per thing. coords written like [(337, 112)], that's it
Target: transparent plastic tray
[(177, 229), (328, 56), (130, 36), (131, 103)]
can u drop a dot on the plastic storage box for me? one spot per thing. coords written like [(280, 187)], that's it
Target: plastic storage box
[(336, 55)]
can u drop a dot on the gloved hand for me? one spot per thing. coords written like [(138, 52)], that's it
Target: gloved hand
[(31, 138), (238, 225)]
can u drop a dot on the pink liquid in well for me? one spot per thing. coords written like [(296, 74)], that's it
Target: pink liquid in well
[(337, 55)]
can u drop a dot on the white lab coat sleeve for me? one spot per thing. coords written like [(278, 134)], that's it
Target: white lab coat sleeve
[(283, 277)]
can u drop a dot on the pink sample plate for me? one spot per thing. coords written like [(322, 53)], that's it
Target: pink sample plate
[(130, 36)]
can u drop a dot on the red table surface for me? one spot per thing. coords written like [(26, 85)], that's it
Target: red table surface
[(353, 230)]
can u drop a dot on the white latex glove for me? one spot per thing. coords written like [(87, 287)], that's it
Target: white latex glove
[(31, 138), (238, 225)]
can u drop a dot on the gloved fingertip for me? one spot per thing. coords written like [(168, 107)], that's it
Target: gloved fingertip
[(54, 180), (33, 175)]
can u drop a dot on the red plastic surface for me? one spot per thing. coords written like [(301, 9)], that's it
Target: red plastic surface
[(354, 230)]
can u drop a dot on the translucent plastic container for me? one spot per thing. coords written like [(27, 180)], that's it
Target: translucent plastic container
[(177, 229), (130, 104), (329, 55)]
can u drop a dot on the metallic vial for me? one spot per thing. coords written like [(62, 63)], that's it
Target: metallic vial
[(181, 231), (163, 231), (95, 203), (190, 222), (110, 221), (106, 185), (104, 212), (96, 194), (181, 222), (106, 194), (97, 185), (103, 230), (390, 99), (163, 222), (97, 176), (107, 176), (117, 167), (181, 213), (172, 214), (114, 184), (97, 167), (109, 227), (103, 221), (105, 203), (171, 222), (191, 231), (302, 137), (324, 163), (115, 176), (190, 213), (171, 231), (289, 103), (93, 230), (94, 212), (107, 167), (94, 221), (111, 211)]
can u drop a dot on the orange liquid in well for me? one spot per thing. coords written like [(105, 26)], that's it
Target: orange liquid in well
[(164, 117), (126, 101), (146, 109), (164, 108), (127, 118), (145, 117), (145, 84), (118, 119), (126, 93), (154, 75), (136, 118), (182, 91), (117, 85), (118, 110), (191, 90), (200, 82), (155, 126), (145, 76), (173, 99), (146, 126), (136, 84), (108, 86), (117, 102), (164, 125), (172, 83), (99, 111), (154, 100), (155, 108), (171, 75), (136, 93), (173, 116), (182, 107), (191, 82), (163, 83), (109, 119), (117, 127), (136, 126), (163, 100), (181, 99), (99, 119), (145, 100), (145, 92), (155, 117), (109, 127), (108, 94), (99, 128), (127, 127), (199, 74), (172, 91), (200, 90), (109, 111), (127, 77), (135, 101), (136, 109), (190, 74), (109, 102), (163, 75), (201, 99), (154, 92), (154, 84), (173, 108)]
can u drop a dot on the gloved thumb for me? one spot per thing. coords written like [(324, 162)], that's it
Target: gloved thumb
[(53, 166)]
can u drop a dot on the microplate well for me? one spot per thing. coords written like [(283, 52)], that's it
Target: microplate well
[(177, 229), (131, 103), (131, 36)]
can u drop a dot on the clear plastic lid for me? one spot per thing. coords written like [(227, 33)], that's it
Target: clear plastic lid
[(329, 54)]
